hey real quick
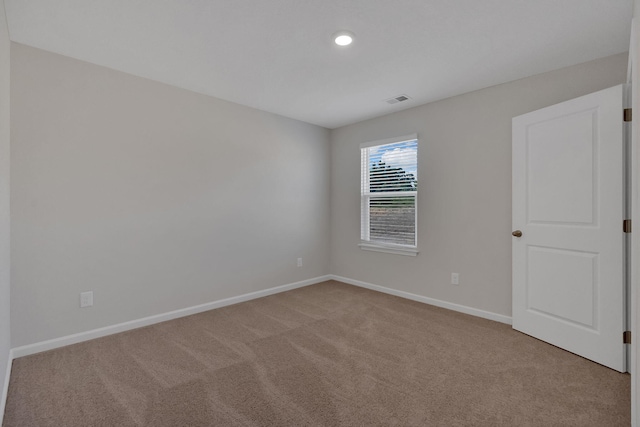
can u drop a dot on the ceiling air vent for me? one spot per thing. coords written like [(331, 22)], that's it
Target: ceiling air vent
[(396, 99)]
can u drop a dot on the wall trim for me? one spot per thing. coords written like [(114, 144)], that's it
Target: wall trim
[(5, 387), (431, 301), (38, 347)]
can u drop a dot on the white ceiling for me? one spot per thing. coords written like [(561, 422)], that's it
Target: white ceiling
[(277, 55)]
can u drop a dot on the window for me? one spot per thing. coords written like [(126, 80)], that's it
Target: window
[(389, 188)]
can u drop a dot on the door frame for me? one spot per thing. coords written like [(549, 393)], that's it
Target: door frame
[(633, 75)]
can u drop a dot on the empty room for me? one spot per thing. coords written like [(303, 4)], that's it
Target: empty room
[(319, 213)]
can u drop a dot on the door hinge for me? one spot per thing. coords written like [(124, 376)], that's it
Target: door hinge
[(626, 226), (626, 337), (626, 114)]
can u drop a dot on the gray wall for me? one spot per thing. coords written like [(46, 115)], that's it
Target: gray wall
[(158, 198), (4, 195), (464, 174), (155, 198)]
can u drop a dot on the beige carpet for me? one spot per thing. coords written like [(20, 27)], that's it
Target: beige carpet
[(329, 354)]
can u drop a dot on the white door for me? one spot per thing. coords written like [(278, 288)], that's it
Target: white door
[(568, 204)]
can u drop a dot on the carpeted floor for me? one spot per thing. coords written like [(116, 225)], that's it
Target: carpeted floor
[(326, 355)]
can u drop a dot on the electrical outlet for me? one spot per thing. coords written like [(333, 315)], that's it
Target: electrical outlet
[(455, 279), (299, 262), (86, 299)]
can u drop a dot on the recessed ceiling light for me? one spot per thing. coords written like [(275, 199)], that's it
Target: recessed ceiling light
[(343, 38)]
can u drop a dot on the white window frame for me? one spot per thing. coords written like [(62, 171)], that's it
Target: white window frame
[(365, 195)]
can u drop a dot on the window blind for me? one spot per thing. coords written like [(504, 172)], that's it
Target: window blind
[(389, 186)]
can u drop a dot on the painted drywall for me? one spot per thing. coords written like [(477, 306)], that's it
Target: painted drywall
[(5, 330), (153, 197), (464, 181)]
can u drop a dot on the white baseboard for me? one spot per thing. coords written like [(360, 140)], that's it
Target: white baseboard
[(146, 321), (438, 303), (5, 387)]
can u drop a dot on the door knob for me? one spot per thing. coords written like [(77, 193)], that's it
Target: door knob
[(517, 233)]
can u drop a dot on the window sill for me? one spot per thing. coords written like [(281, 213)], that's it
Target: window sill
[(397, 250)]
